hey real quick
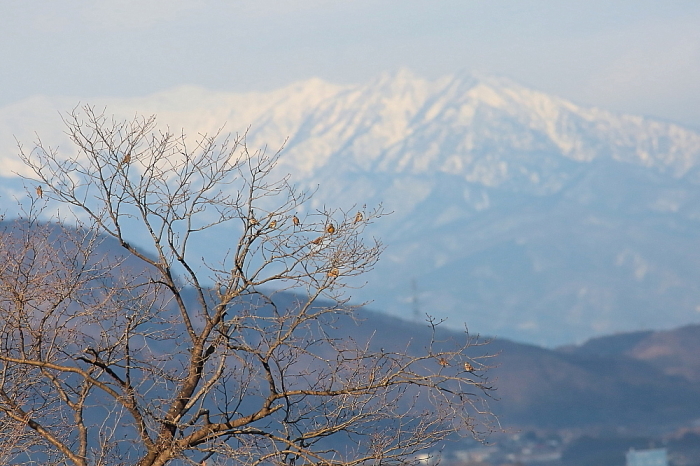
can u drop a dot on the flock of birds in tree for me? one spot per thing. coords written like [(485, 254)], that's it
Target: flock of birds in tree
[(126, 160), (467, 366), (330, 228)]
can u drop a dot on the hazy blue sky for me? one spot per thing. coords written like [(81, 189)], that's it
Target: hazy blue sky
[(638, 56)]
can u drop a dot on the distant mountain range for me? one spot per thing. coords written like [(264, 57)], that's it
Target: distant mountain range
[(642, 381), (522, 214)]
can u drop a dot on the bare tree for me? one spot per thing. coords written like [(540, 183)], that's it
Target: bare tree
[(159, 355)]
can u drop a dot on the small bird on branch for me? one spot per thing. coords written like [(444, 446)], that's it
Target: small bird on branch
[(39, 192), (330, 229), (443, 362), (359, 217), (333, 273), (468, 367), (295, 221)]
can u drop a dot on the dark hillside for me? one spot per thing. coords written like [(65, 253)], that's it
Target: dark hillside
[(673, 352), (538, 387), (637, 379)]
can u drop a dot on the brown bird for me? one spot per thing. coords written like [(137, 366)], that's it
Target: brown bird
[(295, 221), (39, 191), (317, 240), (126, 160), (330, 229), (443, 362), (468, 367), (253, 221), (358, 217), (333, 272), (273, 224)]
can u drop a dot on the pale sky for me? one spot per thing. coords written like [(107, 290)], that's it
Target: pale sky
[(635, 56)]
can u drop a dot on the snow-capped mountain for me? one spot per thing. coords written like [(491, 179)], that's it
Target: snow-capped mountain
[(519, 213)]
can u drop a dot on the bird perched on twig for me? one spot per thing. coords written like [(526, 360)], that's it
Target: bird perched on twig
[(333, 272), (317, 240), (39, 191), (273, 224), (126, 160), (443, 362), (295, 221), (359, 217), (468, 367), (330, 229)]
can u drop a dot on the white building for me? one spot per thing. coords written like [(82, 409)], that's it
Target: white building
[(654, 457)]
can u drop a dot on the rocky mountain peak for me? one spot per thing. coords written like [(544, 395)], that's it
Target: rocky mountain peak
[(519, 212)]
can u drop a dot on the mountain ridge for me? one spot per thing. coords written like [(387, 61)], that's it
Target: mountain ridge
[(398, 101), (523, 214)]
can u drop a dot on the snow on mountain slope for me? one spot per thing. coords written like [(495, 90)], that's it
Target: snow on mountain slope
[(397, 123), (521, 213)]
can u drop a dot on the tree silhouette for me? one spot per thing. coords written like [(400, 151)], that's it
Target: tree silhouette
[(158, 355)]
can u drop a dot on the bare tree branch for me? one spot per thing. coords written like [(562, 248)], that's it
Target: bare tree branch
[(156, 355)]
